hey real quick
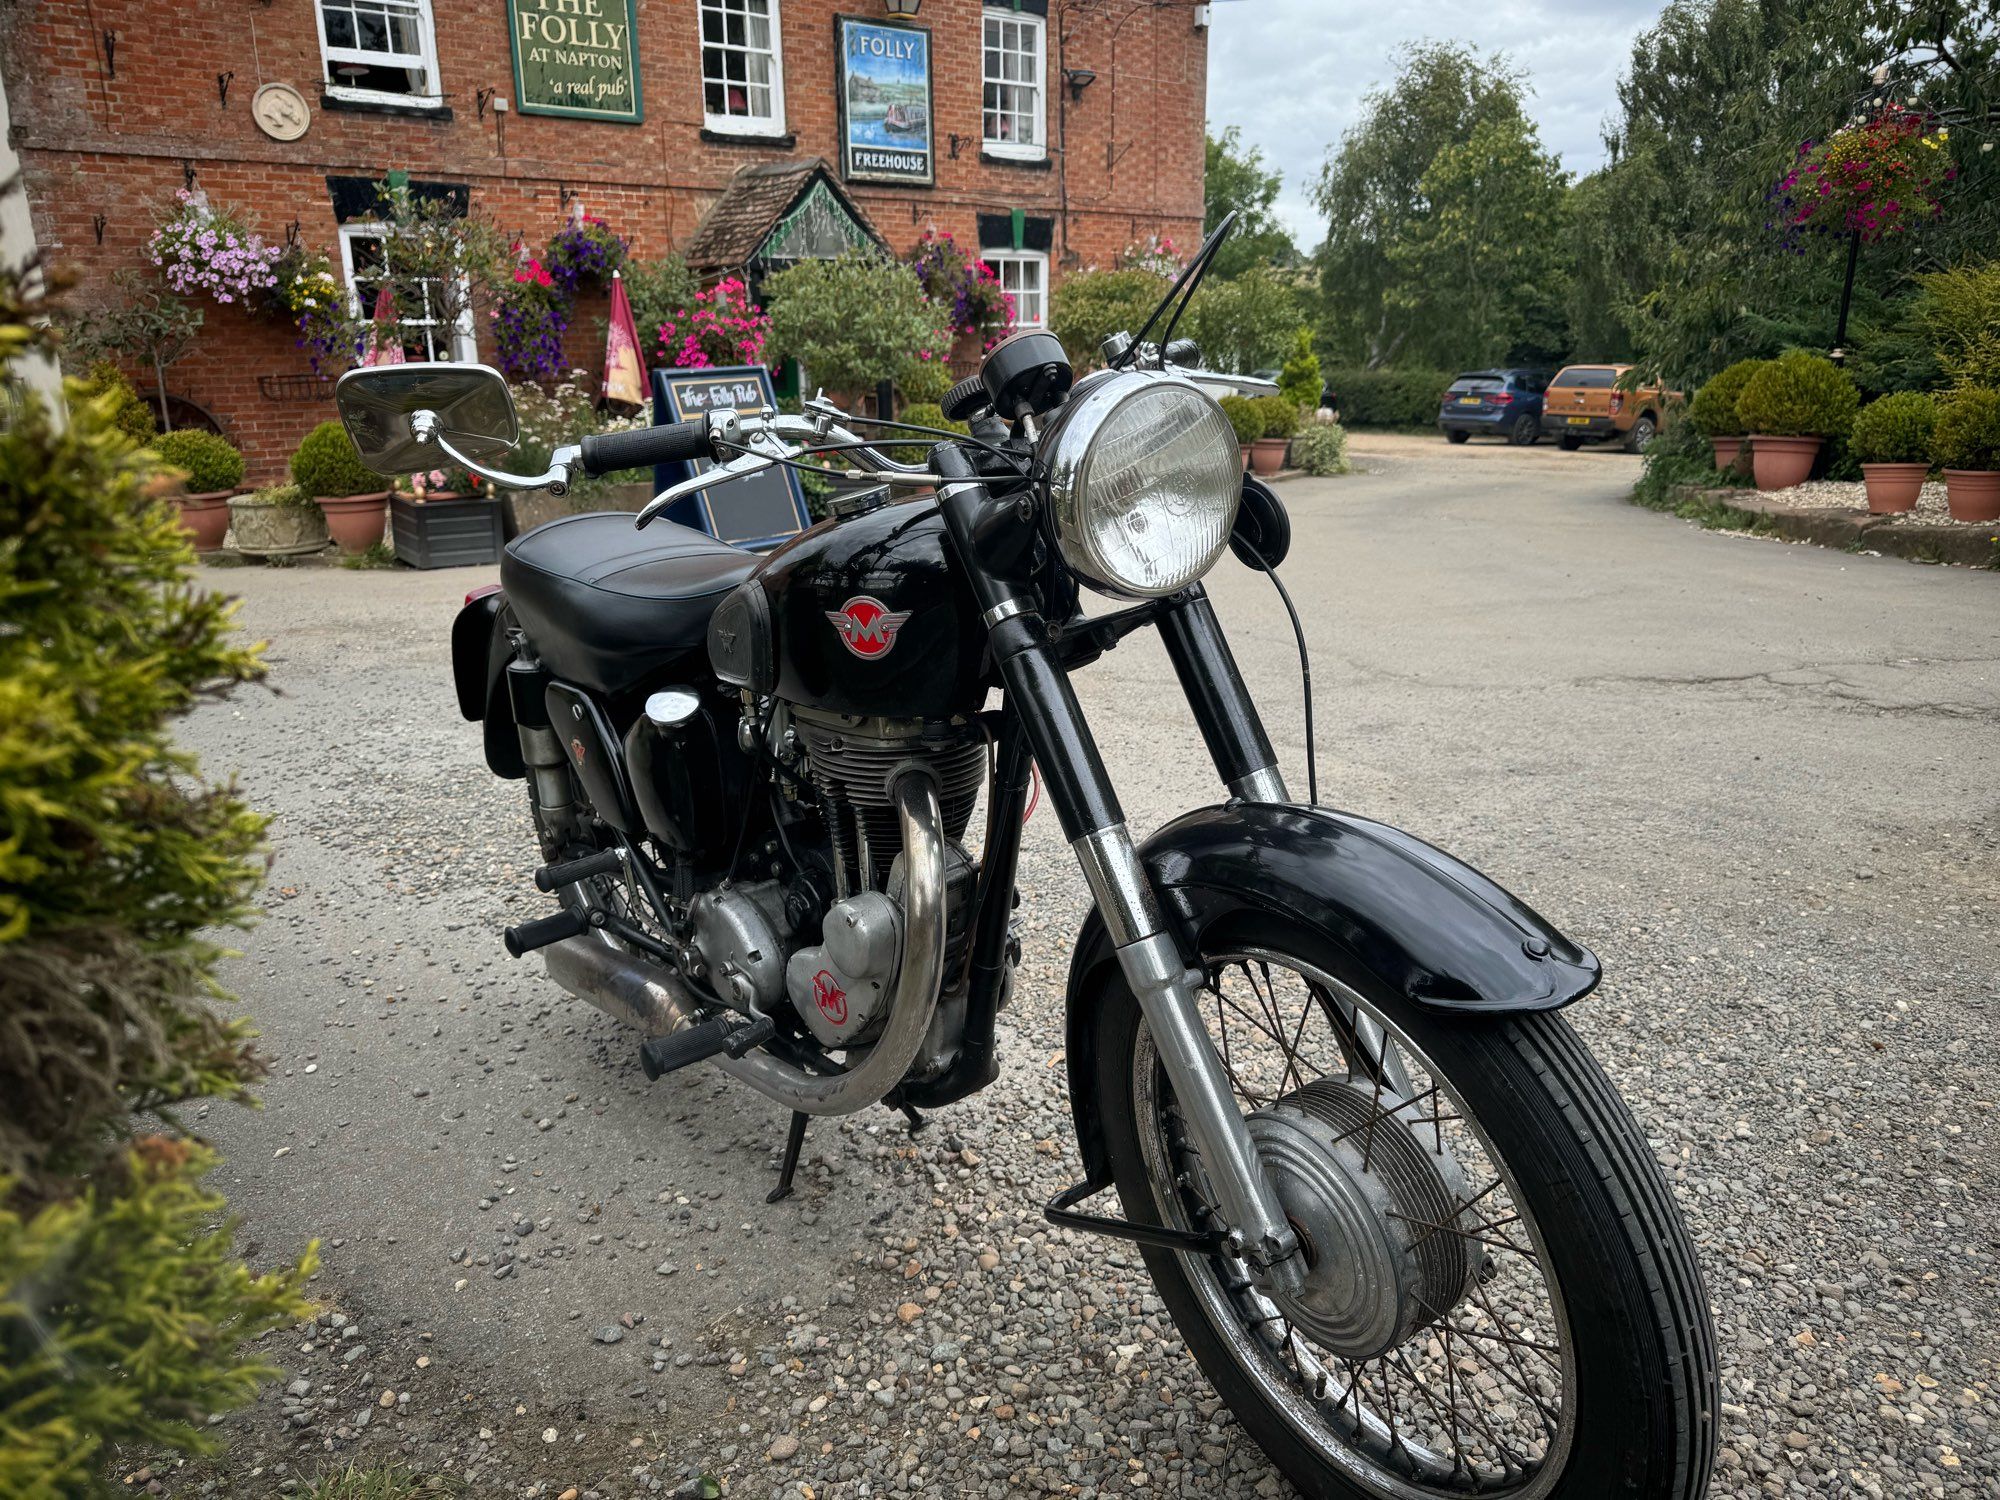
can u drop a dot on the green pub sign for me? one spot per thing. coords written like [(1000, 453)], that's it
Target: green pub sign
[(576, 57)]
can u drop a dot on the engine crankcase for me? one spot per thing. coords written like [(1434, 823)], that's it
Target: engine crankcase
[(841, 985)]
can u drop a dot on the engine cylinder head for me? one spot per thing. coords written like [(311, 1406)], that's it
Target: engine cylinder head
[(855, 761)]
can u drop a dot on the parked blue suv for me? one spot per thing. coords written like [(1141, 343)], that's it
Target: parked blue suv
[(1503, 403)]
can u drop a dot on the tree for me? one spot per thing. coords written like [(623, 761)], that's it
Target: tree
[(1372, 187), (150, 325), (852, 322), (124, 1304), (1091, 305), (1244, 324), (1479, 275), (1234, 179)]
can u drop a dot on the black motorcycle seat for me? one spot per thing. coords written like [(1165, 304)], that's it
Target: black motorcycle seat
[(608, 606)]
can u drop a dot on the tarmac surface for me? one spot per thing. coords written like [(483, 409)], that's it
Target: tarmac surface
[(1761, 780)]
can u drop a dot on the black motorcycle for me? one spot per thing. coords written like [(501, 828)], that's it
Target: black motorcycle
[(1399, 1213)]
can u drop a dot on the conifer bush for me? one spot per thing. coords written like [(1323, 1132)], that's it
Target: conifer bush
[(1713, 410), (209, 462), (123, 1302), (329, 466)]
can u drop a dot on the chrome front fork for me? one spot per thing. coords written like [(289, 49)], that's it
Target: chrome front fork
[(1169, 997)]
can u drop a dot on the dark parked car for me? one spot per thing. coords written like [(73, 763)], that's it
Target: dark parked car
[(1504, 403)]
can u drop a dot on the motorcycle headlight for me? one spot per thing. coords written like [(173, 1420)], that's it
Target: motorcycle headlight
[(1144, 478)]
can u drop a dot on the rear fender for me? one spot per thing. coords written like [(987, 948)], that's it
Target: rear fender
[(1409, 922), (480, 651)]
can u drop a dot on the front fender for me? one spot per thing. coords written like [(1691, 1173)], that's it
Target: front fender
[(1407, 919)]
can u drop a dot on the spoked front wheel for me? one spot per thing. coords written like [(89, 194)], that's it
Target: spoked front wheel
[(1501, 1299)]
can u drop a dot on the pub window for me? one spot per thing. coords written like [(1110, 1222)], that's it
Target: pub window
[(425, 332), (742, 67), (379, 50), (1013, 74), (1024, 274)]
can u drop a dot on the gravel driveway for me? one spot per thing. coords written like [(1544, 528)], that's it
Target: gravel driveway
[(1762, 781)]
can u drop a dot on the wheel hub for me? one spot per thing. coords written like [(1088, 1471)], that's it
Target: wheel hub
[(1376, 1199)]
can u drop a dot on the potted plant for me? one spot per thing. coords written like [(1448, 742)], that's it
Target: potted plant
[(1892, 443), (1790, 408), (1246, 419), (214, 472), (277, 521), (1280, 420), (1713, 412), (582, 256), (329, 470), (1966, 444), (447, 519)]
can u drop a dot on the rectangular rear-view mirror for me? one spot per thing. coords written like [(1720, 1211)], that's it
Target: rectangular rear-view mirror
[(472, 407)]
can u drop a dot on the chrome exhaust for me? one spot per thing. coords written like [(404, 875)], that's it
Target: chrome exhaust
[(596, 969)]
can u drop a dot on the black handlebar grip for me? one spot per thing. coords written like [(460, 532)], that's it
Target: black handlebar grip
[(643, 447)]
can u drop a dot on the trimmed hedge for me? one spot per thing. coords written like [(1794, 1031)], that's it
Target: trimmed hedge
[(1279, 417), (209, 462), (1968, 430), (1389, 398), (1713, 410), (1244, 417), (327, 465), (1895, 430), (1799, 395)]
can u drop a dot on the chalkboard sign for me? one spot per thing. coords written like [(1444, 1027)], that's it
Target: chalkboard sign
[(759, 511)]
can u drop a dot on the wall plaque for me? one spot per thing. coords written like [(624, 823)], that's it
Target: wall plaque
[(578, 58), (885, 101)]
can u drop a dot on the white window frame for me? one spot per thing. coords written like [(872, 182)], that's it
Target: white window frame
[(997, 145), (999, 260), (426, 59), (463, 346), (774, 124)]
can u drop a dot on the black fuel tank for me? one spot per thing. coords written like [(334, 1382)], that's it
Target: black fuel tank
[(867, 616)]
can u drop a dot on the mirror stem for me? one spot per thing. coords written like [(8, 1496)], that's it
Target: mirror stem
[(427, 429)]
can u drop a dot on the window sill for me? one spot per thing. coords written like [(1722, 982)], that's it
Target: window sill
[(336, 104), (1031, 163), (714, 137)]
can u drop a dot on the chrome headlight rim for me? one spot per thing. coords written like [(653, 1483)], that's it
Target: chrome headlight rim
[(1067, 444)]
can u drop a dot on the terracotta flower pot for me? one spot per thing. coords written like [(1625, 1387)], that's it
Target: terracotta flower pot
[(1267, 455), (1972, 494), (1731, 453), (1893, 488), (205, 517), (355, 521), (1778, 463), (1244, 450)]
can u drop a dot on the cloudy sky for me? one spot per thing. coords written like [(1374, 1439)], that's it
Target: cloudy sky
[(1292, 73)]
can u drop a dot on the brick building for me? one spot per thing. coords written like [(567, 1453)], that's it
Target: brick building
[(1050, 133)]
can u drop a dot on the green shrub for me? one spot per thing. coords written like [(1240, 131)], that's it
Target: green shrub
[(1244, 417), (328, 466), (1713, 410), (1091, 305), (1298, 379), (1894, 430), (1389, 398), (1279, 417), (923, 382), (1321, 448), (209, 462), (1968, 430), (922, 414), (851, 322), (1960, 312), (131, 416), (1799, 395), (123, 1303)]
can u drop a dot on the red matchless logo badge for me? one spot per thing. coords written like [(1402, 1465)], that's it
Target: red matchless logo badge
[(831, 998), (867, 626)]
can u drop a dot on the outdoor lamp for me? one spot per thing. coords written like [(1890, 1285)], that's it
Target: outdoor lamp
[(901, 7), (1079, 79)]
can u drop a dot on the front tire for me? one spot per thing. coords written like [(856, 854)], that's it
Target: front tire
[(1626, 1328), (1571, 444), (1454, 435)]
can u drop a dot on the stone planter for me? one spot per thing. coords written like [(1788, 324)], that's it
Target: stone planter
[(446, 531), (271, 528), (1267, 455), (1893, 488), (205, 517), (1778, 463), (355, 521), (1732, 454), (1972, 494)]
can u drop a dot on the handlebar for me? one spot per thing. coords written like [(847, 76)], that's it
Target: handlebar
[(644, 447)]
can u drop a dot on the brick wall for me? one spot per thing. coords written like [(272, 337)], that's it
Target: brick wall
[(103, 150)]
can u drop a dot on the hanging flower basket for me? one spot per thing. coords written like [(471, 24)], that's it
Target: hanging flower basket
[(1876, 180), (583, 256), (201, 249)]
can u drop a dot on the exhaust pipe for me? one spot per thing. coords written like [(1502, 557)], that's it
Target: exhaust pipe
[(656, 999)]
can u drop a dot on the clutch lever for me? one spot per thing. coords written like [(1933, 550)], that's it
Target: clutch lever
[(736, 468)]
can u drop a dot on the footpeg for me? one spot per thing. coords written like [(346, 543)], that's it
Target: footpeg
[(555, 877), (541, 932), (661, 1055)]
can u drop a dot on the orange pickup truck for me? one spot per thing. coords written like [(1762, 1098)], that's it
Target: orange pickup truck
[(1584, 404)]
